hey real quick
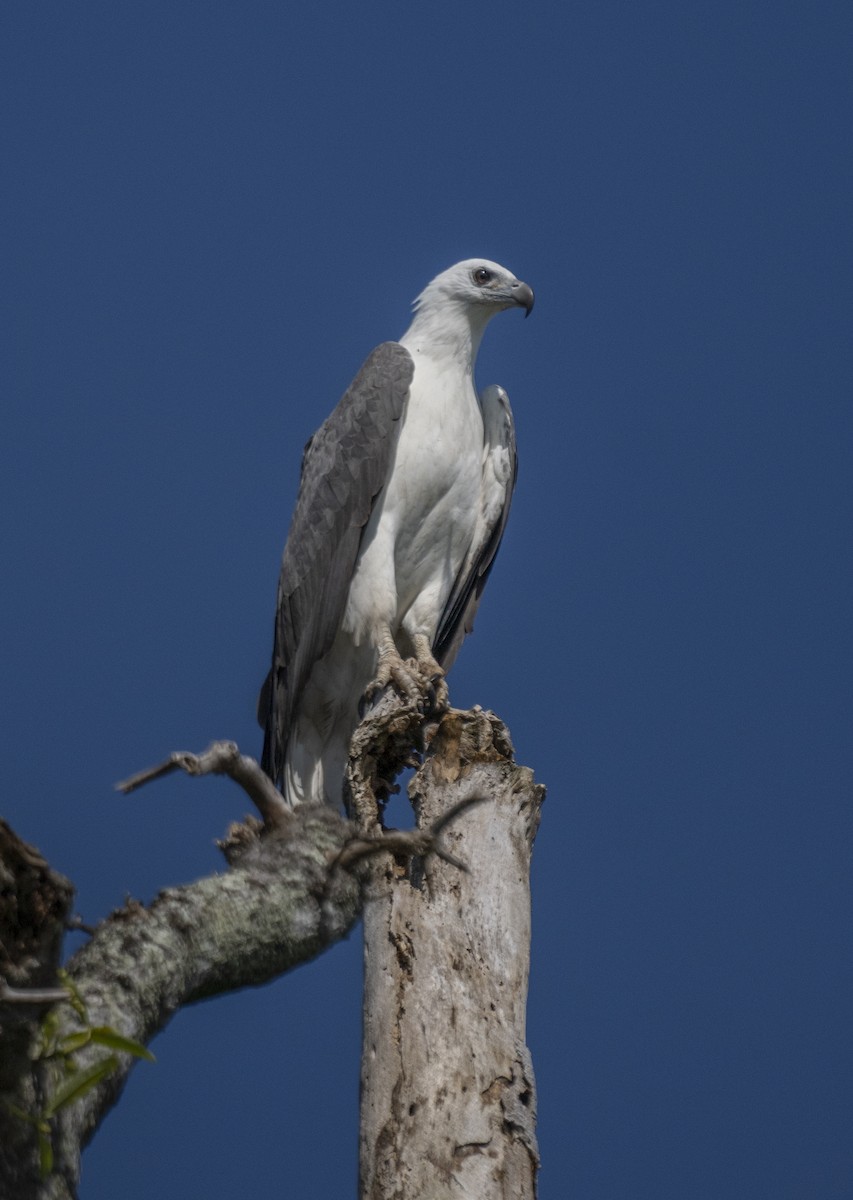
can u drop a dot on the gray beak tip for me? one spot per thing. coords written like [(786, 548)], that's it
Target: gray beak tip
[(524, 297)]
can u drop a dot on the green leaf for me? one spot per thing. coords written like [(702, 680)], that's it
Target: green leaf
[(45, 1152), (75, 999), (48, 1030), (105, 1035), (79, 1084), (74, 1041)]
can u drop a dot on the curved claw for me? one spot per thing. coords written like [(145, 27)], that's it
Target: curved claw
[(432, 674), (441, 694), (403, 676), (419, 680)]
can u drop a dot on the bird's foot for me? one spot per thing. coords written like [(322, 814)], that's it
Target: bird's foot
[(431, 673), (403, 675), (441, 695), (419, 680)]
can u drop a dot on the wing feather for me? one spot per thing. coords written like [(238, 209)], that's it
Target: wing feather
[(344, 467), (500, 468)]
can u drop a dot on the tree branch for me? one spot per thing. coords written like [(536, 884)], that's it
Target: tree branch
[(408, 843), (292, 891), (275, 909), (279, 905), (221, 758), (10, 995), (296, 885)]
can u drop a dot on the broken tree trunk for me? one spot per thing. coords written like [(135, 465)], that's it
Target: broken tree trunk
[(448, 1103)]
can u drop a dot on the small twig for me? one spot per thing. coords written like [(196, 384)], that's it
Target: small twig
[(10, 995), (412, 842), (453, 812), (221, 758), (75, 923)]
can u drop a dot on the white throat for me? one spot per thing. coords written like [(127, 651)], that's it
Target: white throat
[(449, 329)]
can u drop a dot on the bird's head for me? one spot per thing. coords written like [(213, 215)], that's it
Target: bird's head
[(465, 297), (477, 283)]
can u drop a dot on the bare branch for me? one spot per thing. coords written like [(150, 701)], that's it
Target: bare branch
[(10, 995), (221, 758), (407, 842), (76, 924), (274, 910)]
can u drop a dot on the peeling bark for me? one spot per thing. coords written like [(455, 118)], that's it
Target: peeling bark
[(448, 1096)]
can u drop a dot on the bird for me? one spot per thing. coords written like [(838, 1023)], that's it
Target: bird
[(403, 500)]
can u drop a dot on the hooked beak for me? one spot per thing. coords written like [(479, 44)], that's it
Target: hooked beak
[(522, 294)]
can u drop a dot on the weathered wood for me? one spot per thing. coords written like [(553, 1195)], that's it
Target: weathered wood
[(448, 1098)]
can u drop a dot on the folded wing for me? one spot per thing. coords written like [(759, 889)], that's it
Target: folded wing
[(344, 467)]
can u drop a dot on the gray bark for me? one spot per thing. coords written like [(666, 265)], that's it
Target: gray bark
[(282, 902), (448, 1098)]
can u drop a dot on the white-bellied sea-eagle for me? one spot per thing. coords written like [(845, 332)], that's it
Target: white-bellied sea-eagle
[(403, 499)]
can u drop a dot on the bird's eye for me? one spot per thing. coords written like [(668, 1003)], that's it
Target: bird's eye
[(482, 276)]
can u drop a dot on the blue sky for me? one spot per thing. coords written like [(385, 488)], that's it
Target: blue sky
[(212, 214)]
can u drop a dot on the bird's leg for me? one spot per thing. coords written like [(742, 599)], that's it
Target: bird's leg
[(430, 669), (392, 669)]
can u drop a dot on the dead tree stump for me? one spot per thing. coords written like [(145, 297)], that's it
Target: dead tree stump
[(448, 1104)]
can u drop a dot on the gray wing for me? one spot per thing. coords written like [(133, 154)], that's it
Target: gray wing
[(500, 468), (344, 468)]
